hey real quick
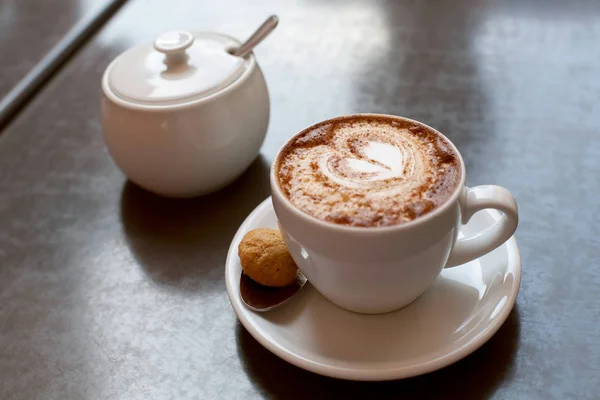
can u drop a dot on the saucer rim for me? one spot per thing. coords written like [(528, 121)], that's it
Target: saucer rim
[(365, 374)]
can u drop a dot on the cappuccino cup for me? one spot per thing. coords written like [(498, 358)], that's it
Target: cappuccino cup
[(370, 207)]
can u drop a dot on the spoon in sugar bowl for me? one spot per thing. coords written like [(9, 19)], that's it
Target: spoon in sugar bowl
[(258, 36)]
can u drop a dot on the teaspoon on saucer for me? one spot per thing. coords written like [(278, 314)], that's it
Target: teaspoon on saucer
[(261, 298)]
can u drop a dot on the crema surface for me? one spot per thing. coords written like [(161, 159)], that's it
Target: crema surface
[(368, 171)]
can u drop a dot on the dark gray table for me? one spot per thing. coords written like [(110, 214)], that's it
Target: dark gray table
[(107, 291), (30, 28)]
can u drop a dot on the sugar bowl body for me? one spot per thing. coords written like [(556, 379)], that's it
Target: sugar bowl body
[(183, 117)]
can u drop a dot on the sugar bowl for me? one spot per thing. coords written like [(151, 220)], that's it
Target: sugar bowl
[(184, 116)]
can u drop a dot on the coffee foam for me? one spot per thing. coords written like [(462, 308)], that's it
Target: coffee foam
[(368, 171)]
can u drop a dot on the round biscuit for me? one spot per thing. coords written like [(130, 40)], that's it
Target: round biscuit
[(266, 259)]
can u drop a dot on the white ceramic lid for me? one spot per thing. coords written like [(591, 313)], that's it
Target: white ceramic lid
[(177, 68)]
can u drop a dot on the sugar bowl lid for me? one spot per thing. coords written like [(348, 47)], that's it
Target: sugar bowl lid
[(177, 68)]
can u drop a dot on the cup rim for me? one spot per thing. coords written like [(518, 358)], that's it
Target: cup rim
[(367, 230)]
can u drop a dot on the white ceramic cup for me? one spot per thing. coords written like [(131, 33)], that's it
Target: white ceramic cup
[(380, 269)]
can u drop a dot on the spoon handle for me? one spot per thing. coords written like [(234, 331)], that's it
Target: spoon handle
[(257, 37)]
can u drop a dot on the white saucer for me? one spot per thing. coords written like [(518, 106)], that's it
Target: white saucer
[(462, 309)]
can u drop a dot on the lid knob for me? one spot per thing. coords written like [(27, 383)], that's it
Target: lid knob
[(173, 45)]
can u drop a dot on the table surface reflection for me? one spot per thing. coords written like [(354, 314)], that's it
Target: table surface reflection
[(29, 29)]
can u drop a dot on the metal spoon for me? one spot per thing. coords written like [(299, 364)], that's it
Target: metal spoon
[(257, 37), (261, 298)]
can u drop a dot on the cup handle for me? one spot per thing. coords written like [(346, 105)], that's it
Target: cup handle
[(478, 198)]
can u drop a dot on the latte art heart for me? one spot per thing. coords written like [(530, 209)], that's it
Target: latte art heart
[(368, 171), (374, 162)]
